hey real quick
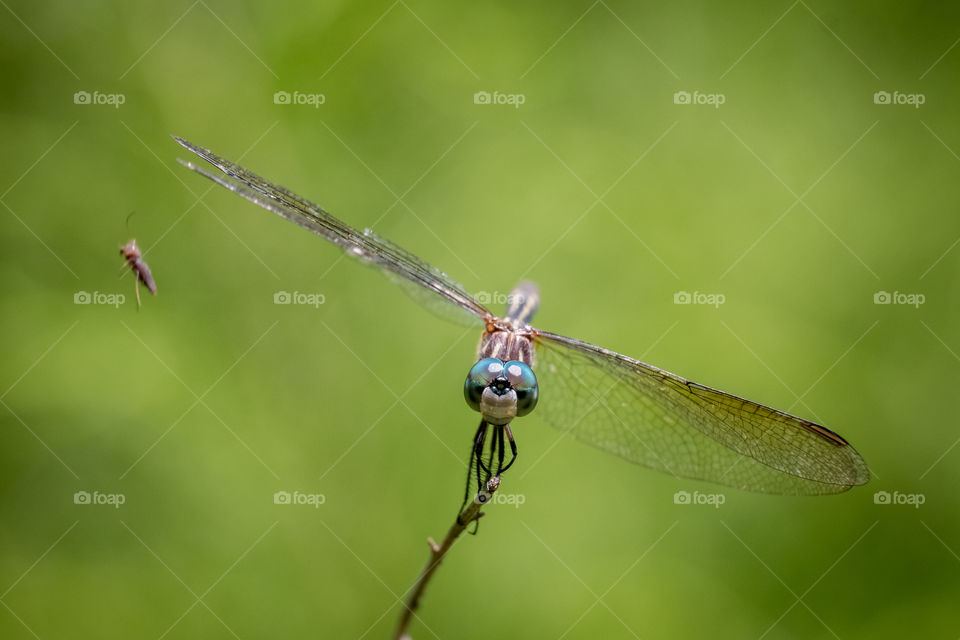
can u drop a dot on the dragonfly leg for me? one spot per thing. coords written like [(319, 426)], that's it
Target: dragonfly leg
[(481, 439), (476, 452), (513, 447), (480, 462), (496, 449), (499, 434)]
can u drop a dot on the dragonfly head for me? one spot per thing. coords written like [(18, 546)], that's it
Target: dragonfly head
[(501, 391)]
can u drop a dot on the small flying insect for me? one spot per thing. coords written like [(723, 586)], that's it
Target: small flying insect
[(134, 259)]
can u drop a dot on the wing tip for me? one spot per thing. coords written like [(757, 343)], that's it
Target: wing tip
[(196, 149)]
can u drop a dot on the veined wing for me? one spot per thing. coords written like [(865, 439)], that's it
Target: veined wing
[(660, 420), (401, 265)]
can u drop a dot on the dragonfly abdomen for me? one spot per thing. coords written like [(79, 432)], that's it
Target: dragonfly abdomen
[(510, 337), (523, 302)]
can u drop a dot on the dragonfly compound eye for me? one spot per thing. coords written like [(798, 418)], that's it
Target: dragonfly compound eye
[(524, 383), (480, 377)]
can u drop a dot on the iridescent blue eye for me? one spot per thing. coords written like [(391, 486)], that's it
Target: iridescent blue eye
[(524, 383), (479, 378)]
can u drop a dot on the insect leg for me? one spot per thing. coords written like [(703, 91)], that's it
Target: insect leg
[(473, 455), (499, 433), (480, 440), (513, 446)]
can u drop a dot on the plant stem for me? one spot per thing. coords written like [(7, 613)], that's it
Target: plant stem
[(437, 553)]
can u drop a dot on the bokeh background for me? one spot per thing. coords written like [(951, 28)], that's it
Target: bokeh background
[(798, 199)]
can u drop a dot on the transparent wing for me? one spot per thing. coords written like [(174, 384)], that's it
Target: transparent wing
[(656, 419), (427, 284)]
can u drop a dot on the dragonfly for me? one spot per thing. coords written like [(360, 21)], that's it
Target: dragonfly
[(610, 401)]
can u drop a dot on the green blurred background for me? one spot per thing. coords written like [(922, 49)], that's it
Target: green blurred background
[(798, 199)]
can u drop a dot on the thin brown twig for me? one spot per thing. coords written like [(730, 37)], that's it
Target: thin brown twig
[(439, 551)]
